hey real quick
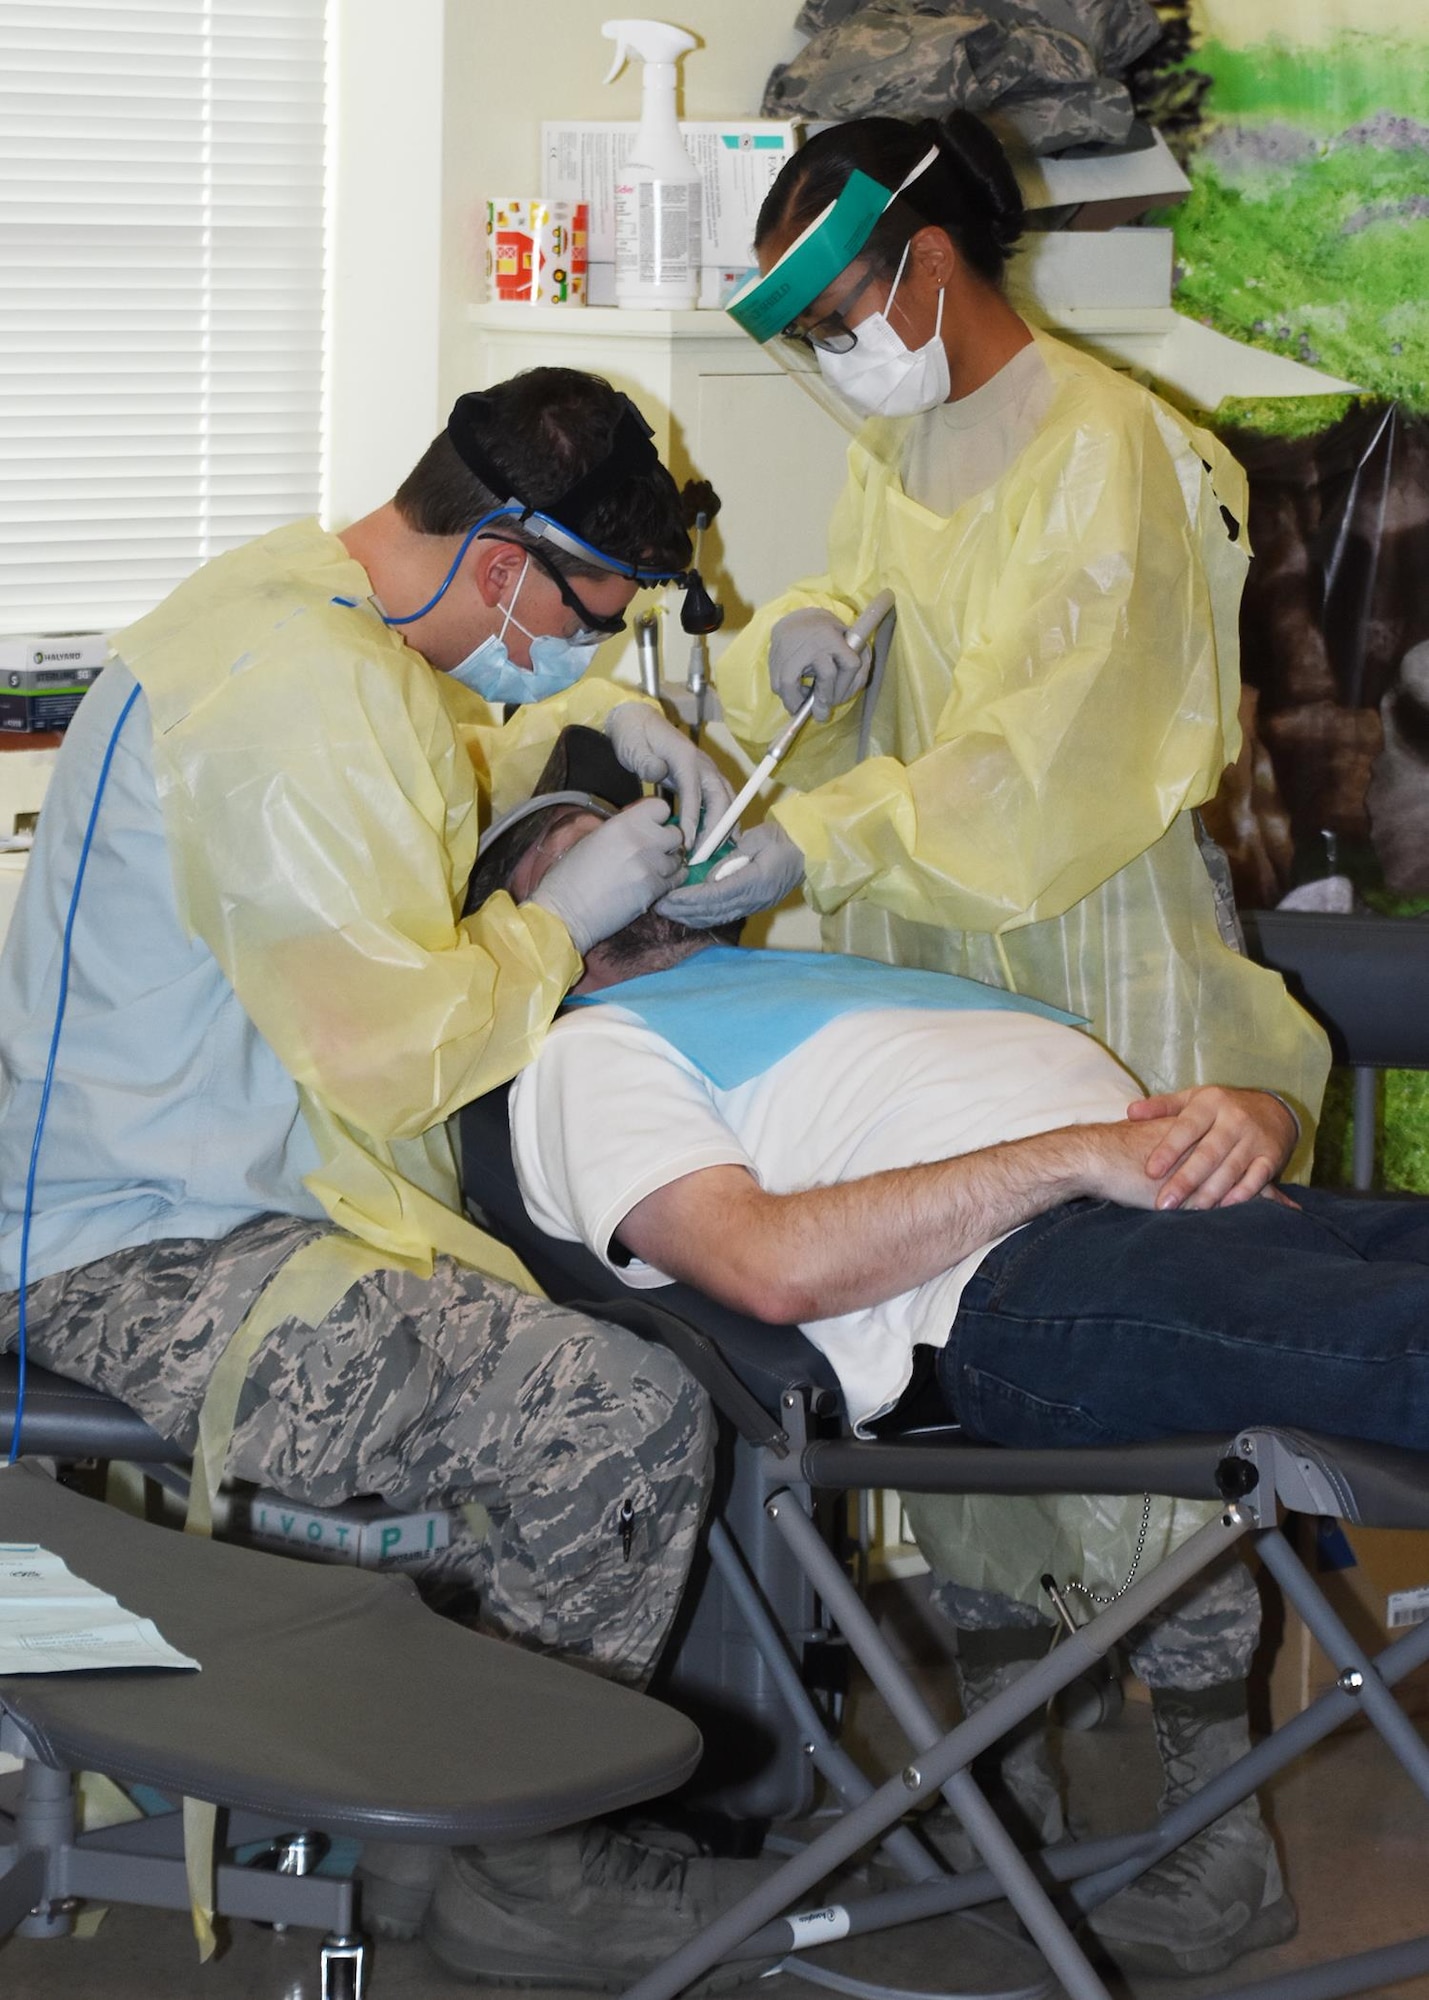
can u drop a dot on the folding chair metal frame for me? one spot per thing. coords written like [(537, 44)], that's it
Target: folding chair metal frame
[(776, 1393)]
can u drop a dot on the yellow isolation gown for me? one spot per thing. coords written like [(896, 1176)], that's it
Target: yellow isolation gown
[(1061, 693), (323, 789)]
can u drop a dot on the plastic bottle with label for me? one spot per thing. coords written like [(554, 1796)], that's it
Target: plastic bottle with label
[(659, 195)]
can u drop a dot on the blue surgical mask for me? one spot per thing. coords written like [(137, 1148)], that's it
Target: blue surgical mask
[(556, 664)]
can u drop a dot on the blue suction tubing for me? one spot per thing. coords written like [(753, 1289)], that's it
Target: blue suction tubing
[(27, 1215)]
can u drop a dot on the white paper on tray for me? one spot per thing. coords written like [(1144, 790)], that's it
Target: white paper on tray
[(53, 1622)]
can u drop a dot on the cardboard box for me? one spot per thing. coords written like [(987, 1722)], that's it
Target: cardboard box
[(739, 163), (365, 1532), (1106, 189), (1381, 1591), (34, 650), (1071, 270), (37, 699), (44, 677)]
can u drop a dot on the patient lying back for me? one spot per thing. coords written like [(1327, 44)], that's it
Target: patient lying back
[(839, 1143)]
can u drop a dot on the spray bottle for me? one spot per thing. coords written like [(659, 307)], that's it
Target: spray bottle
[(659, 196)]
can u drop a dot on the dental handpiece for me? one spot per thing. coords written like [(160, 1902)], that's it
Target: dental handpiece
[(858, 636), (647, 652)]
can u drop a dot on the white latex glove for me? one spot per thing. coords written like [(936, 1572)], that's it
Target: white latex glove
[(614, 874), (808, 653), (661, 754), (764, 868)]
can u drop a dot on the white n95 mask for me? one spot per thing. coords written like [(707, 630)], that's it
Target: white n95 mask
[(880, 375), (556, 664)]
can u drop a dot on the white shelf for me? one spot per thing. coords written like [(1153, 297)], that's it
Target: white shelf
[(604, 322)]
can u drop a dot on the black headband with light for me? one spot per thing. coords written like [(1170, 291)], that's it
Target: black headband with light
[(631, 453)]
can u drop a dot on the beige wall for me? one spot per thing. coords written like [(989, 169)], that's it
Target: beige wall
[(508, 67), (386, 249), (1310, 23)]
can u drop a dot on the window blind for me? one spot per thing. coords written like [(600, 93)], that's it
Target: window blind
[(161, 294)]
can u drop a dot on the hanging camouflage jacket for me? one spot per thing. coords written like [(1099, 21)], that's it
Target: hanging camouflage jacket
[(1045, 70)]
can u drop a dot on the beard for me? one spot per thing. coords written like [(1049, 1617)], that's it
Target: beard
[(649, 943)]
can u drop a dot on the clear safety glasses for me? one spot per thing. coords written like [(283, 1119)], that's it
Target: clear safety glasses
[(594, 624), (831, 331)]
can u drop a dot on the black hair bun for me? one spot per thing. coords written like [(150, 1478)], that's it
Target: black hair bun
[(973, 150)]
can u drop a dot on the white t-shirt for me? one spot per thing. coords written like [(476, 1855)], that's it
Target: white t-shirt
[(609, 1112), (960, 449)]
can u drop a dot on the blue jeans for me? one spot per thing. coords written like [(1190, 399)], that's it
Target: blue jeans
[(1103, 1325)]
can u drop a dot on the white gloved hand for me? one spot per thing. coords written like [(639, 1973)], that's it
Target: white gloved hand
[(661, 754), (808, 653), (764, 868), (614, 874)]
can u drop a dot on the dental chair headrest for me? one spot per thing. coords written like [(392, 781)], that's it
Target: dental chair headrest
[(582, 770)]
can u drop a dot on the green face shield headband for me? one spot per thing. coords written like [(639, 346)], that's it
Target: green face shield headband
[(766, 305)]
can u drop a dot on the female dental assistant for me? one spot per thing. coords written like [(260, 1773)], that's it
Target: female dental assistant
[(1067, 555)]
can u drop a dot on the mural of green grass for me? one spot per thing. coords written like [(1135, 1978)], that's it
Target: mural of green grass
[(1323, 89), (1323, 258), (1276, 416), (1402, 1159), (1307, 227)]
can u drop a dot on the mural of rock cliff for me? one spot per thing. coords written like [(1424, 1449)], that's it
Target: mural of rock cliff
[(1304, 126), (1305, 129), (1333, 628)]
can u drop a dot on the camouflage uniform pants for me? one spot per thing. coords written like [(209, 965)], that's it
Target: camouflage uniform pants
[(588, 1448), (1204, 1635), (988, 1554)]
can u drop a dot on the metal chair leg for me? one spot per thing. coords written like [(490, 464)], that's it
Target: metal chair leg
[(344, 1966)]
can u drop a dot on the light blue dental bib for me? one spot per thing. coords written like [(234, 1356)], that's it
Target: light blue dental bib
[(735, 1013)]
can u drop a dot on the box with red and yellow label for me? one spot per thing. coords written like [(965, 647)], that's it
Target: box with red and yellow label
[(536, 251)]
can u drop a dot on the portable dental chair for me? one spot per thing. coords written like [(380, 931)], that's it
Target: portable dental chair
[(783, 1419)]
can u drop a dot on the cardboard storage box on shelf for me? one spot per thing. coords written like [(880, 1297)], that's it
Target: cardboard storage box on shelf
[(1105, 189), (1379, 1596), (43, 679), (536, 250), (738, 161), (1061, 270)]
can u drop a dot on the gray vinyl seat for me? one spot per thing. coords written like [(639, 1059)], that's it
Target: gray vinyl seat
[(330, 1700), (71, 1421), (329, 1696)]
